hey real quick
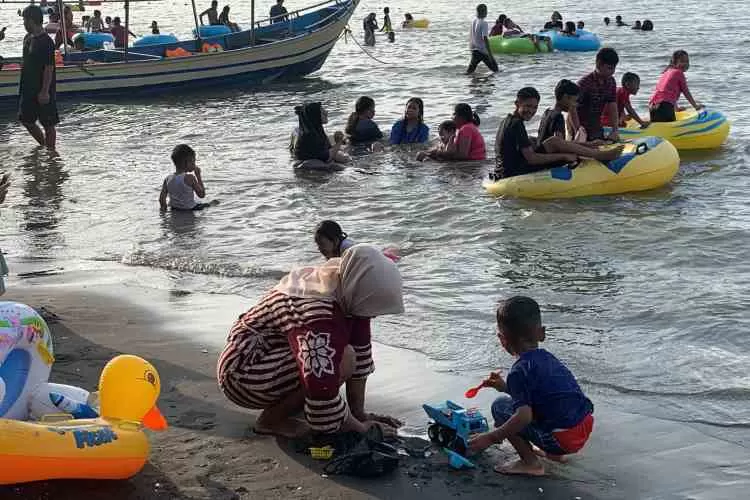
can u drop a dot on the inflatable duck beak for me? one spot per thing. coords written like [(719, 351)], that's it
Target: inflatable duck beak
[(154, 420)]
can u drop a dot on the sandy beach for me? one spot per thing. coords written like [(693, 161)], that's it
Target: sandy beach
[(210, 452)]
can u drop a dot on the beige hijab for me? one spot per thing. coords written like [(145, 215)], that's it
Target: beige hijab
[(363, 281)]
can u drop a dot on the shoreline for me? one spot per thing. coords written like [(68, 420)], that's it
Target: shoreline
[(210, 453)]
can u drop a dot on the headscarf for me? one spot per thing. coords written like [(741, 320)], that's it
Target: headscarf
[(363, 281), (312, 140)]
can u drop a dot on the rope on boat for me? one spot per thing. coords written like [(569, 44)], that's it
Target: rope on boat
[(348, 31)]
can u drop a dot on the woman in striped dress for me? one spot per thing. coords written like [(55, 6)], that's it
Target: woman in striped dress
[(309, 335)]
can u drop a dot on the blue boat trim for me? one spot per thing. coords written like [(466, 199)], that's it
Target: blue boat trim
[(618, 164)]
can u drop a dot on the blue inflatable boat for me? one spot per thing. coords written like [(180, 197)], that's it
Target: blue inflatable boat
[(94, 41), (213, 30), (582, 41), (154, 40)]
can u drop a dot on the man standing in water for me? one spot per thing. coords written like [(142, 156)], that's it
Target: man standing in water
[(37, 85), (480, 44), (278, 12)]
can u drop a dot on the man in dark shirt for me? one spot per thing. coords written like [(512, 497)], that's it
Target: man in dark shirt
[(514, 151), (279, 12), (598, 92), (37, 86)]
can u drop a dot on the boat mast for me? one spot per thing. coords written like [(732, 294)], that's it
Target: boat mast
[(61, 26), (127, 28), (252, 23), (197, 26)]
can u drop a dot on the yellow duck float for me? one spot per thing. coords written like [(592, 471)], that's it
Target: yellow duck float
[(112, 446)]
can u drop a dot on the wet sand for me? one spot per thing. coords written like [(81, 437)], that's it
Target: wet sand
[(209, 452)]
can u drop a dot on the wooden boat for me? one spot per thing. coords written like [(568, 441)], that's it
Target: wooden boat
[(267, 52)]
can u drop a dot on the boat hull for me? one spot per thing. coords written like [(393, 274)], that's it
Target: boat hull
[(285, 59)]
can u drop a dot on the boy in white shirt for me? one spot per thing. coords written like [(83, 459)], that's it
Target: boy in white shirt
[(479, 43)]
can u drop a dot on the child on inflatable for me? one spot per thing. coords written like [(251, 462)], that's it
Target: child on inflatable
[(543, 405), (625, 111), (518, 154), (671, 84)]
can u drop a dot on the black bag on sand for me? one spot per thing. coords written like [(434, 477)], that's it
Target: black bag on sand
[(354, 454)]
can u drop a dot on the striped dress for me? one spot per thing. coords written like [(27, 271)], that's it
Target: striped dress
[(285, 344)]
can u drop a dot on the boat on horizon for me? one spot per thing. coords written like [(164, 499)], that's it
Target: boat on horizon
[(268, 52)]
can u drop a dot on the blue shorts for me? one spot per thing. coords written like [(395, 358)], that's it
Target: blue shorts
[(502, 410)]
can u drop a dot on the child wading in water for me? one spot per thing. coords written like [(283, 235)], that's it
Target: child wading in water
[(185, 183), (332, 241), (447, 133), (544, 405), (671, 84)]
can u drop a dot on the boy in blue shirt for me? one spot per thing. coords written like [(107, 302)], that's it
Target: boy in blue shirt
[(544, 406)]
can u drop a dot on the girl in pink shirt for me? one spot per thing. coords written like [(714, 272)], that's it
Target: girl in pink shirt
[(468, 144), (671, 84)]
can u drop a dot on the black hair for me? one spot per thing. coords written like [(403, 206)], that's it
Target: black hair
[(518, 317), (607, 55), (501, 19), (98, 12), (214, 3), (331, 230), (618, 18), (630, 78), (580, 25), (420, 107), (181, 152), (116, 20), (676, 56), (556, 16), (464, 111), (408, 17), (528, 93), (606, 20), (647, 25), (363, 104), (386, 10), (570, 28), (566, 87), (448, 126), (33, 13), (481, 10)]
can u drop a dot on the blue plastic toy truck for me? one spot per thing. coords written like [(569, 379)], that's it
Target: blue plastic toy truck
[(453, 425)]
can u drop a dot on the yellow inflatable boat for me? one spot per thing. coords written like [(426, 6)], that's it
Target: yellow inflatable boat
[(111, 447), (417, 23), (692, 130), (645, 163)]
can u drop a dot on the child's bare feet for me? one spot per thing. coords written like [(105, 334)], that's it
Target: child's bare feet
[(521, 468), (562, 459), (609, 153)]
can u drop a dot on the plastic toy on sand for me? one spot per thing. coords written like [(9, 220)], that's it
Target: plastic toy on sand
[(452, 428)]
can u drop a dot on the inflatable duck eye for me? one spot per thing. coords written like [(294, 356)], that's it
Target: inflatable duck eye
[(150, 378)]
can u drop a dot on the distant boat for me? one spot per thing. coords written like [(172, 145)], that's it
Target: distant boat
[(270, 52)]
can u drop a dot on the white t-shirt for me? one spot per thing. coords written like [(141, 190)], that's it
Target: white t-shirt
[(479, 30)]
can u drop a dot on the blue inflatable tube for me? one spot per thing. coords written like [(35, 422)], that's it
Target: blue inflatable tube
[(94, 41), (584, 41), (154, 40), (213, 30)]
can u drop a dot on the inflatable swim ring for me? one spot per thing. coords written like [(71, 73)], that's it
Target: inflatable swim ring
[(111, 447), (418, 23), (693, 130), (213, 30), (646, 163), (93, 41), (154, 40), (516, 45), (26, 358), (586, 41)]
